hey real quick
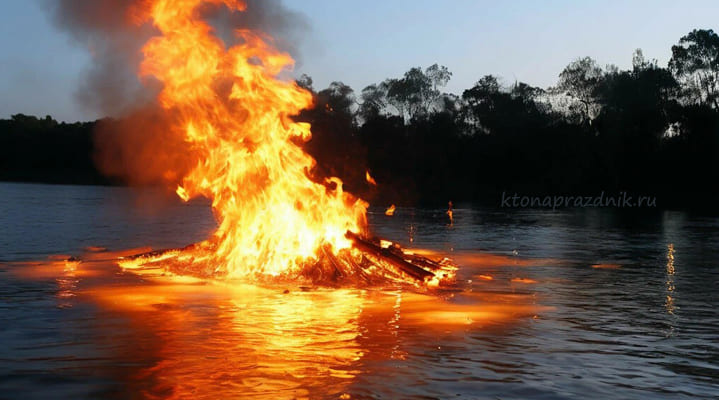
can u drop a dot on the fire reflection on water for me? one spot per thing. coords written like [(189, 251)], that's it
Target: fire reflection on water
[(669, 304), (67, 283), (220, 342), (187, 338)]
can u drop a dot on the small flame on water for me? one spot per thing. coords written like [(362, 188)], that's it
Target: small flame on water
[(390, 210)]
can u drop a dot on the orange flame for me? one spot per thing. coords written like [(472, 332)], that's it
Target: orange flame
[(370, 179), (235, 114), (390, 210)]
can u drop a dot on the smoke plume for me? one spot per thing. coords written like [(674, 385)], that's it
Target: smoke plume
[(135, 145)]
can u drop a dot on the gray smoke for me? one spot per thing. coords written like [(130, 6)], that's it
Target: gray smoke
[(110, 85), (137, 147)]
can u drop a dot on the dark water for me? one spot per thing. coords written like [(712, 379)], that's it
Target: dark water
[(593, 303)]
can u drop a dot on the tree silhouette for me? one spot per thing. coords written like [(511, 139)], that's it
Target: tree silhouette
[(648, 129), (579, 81), (695, 63), (415, 95)]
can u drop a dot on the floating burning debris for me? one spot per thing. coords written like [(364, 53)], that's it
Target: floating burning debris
[(235, 114)]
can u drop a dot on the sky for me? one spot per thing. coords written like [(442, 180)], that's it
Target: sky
[(365, 42)]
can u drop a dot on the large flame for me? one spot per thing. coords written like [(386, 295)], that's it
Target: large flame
[(235, 113)]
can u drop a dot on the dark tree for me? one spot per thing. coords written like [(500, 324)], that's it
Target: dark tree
[(648, 130), (695, 63), (305, 82), (579, 81), (335, 144), (44, 150), (415, 95), (637, 108)]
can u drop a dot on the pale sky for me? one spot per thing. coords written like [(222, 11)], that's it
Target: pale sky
[(364, 42)]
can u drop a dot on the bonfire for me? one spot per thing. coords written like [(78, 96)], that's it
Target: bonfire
[(232, 107)]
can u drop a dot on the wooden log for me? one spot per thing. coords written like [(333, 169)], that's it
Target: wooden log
[(414, 266), (398, 261), (424, 262), (148, 254)]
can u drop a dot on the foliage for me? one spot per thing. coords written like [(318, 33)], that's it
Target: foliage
[(649, 130), (415, 95), (695, 62)]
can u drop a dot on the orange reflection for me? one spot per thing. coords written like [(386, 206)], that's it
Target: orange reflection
[(67, 283), (236, 341), (606, 266), (477, 259), (197, 339), (669, 303), (523, 280)]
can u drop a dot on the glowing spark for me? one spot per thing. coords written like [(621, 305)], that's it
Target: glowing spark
[(370, 179)]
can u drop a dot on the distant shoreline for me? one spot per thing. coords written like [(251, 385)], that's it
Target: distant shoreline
[(648, 131)]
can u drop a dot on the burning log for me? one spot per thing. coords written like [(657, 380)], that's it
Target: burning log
[(372, 261), (390, 257)]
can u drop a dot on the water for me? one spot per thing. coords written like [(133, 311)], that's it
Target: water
[(596, 303)]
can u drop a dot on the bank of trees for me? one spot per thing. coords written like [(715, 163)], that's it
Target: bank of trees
[(651, 130), (36, 149)]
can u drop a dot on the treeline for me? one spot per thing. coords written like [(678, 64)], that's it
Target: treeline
[(651, 130), (42, 150)]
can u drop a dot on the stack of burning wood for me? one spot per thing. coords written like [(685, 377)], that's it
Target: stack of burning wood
[(370, 261)]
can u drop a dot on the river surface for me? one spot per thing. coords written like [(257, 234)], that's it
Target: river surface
[(590, 303)]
